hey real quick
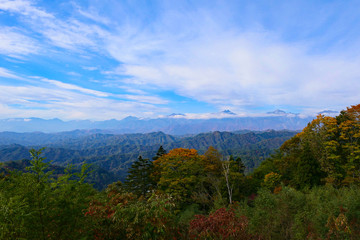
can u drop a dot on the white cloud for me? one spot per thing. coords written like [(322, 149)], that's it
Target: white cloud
[(8, 74), (77, 88), (94, 15), (69, 33), (242, 69), (89, 68), (194, 53), (68, 101), (137, 98), (144, 98), (15, 44), (75, 74), (24, 7), (127, 88)]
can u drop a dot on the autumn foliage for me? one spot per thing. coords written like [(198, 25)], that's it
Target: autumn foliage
[(221, 224), (327, 151), (308, 189)]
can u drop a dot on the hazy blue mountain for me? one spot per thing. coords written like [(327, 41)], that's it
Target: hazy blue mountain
[(40, 138), (42, 125), (174, 124), (116, 152), (329, 113), (278, 112), (228, 112), (176, 115)]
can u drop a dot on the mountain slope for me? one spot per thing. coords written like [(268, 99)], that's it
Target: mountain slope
[(115, 153)]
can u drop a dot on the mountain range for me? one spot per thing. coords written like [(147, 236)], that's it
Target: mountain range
[(114, 153), (175, 124)]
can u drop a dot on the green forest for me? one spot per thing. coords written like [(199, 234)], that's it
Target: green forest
[(308, 189), (111, 155)]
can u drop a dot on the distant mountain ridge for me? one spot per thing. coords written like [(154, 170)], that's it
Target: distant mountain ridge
[(116, 152), (175, 124)]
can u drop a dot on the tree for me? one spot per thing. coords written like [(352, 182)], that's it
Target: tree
[(233, 173), (139, 179), (349, 138), (228, 181), (272, 180), (34, 205), (118, 214), (180, 173), (308, 172), (317, 145), (212, 161), (161, 151), (237, 165), (221, 224), (209, 193)]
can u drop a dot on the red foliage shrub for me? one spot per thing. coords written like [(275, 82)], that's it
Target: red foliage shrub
[(222, 224)]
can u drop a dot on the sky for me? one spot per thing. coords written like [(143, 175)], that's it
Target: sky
[(107, 59)]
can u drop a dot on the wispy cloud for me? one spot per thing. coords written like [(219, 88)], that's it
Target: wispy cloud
[(68, 86), (24, 7), (241, 56), (65, 33), (90, 68), (243, 69), (135, 97), (13, 43), (5, 73), (67, 101), (93, 15), (246, 70)]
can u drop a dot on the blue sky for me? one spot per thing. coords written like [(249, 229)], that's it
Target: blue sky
[(110, 59)]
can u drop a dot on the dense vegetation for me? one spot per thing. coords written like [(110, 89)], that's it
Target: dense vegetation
[(115, 153), (308, 189), (98, 177)]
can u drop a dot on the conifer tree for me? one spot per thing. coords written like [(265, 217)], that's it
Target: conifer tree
[(237, 165), (308, 172), (139, 179), (161, 151)]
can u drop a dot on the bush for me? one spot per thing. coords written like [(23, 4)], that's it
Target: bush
[(320, 213), (222, 224)]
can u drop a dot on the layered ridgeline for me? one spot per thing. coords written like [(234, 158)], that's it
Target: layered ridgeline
[(176, 124), (115, 153)]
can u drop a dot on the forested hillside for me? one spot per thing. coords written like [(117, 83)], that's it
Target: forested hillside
[(115, 153), (308, 189), (327, 151)]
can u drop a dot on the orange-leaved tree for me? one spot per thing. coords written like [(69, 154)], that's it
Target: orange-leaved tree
[(326, 151), (179, 173)]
